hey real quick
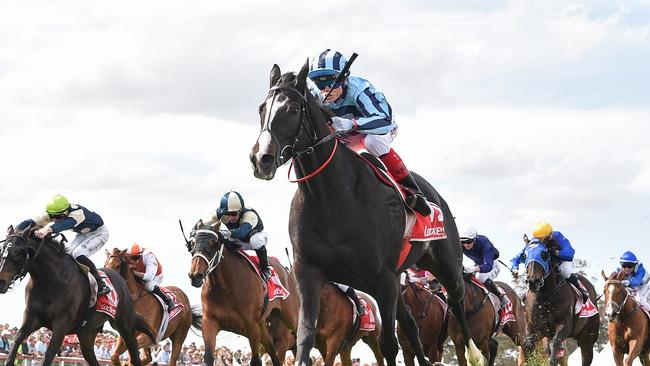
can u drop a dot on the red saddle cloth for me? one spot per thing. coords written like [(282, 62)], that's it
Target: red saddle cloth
[(506, 314), (367, 322), (178, 307), (107, 304), (275, 287), (584, 310)]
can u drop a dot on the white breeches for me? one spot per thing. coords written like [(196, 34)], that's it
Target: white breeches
[(89, 243), (379, 145), (156, 281), (257, 241), (482, 277), (566, 269)]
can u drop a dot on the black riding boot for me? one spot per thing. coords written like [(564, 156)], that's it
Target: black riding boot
[(492, 287), (353, 295), (102, 289), (168, 300), (573, 279), (264, 262), (415, 199)]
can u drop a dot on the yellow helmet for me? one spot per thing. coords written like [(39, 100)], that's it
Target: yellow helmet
[(542, 230), (57, 205)]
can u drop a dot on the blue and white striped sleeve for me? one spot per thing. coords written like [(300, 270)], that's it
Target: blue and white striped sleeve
[(377, 114)]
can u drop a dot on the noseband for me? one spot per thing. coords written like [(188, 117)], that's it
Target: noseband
[(216, 258), (618, 306), (4, 255)]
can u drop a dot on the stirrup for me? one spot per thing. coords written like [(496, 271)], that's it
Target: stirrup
[(266, 273), (419, 203), (102, 289)]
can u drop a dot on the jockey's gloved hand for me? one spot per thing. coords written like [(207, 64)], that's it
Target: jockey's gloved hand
[(40, 233), (342, 124), (515, 272), (469, 269), (226, 233), (625, 283), (233, 242)]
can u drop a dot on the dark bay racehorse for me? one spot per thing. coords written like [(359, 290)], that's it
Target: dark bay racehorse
[(431, 317), (345, 226), (57, 297), (335, 323), (550, 301), (147, 305), (628, 325), (233, 298)]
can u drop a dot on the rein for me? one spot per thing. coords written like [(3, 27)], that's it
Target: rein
[(216, 258), (24, 269), (427, 302), (621, 305)]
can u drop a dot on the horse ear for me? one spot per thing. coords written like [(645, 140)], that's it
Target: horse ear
[(526, 240), (275, 75), (301, 79), (123, 252), (10, 230), (108, 254), (602, 273)]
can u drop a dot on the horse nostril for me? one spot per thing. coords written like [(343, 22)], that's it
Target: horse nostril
[(266, 160)]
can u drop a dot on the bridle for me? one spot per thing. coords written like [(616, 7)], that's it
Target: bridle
[(24, 268), (198, 253), (618, 306), (306, 127)]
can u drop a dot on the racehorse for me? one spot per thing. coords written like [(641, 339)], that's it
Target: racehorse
[(481, 315), (550, 303), (58, 294), (628, 326), (345, 226), (335, 323), (431, 317), (147, 305), (234, 297)]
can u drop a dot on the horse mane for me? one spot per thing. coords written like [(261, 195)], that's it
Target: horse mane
[(291, 79), (617, 275), (59, 245)]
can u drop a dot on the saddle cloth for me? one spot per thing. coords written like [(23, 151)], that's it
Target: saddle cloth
[(367, 322), (504, 315), (583, 310), (167, 316), (275, 287), (106, 304)]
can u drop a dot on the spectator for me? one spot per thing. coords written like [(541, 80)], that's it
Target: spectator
[(41, 345), (184, 358), (5, 343), (197, 359), (98, 347), (163, 355)]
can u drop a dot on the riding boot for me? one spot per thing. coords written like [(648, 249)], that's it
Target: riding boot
[(414, 197), (265, 270), (102, 289), (361, 309), (167, 299), (573, 279), (492, 287)]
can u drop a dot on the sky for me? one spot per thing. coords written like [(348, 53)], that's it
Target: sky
[(145, 112)]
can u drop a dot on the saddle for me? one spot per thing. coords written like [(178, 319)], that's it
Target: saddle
[(583, 310)]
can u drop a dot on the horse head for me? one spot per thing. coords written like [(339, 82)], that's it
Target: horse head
[(288, 128), (116, 260), (206, 246), (15, 256), (615, 295), (538, 265)]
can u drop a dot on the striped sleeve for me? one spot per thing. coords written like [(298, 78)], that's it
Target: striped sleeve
[(377, 114)]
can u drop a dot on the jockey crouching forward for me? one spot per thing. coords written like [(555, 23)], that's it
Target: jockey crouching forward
[(145, 266), (245, 227), (91, 234), (360, 108), (561, 252), (479, 249), (637, 277)]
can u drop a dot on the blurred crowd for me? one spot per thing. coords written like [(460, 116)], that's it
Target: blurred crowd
[(105, 343)]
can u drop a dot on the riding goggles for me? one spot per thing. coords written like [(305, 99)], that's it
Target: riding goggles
[(326, 81), (627, 265)]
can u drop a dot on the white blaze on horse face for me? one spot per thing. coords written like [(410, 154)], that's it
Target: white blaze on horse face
[(609, 307), (265, 139)]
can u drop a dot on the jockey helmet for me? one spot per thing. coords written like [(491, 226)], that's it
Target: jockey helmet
[(628, 257), (231, 203), (468, 234), (325, 67), (135, 250), (57, 205), (542, 230)]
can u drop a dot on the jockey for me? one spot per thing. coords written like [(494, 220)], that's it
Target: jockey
[(91, 233), (349, 292), (360, 108), (245, 227), (145, 266), (637, 277), (422, 277), (561, 251), (479, 249)]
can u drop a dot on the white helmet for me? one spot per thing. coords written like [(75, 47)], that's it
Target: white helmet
[(468, 233)]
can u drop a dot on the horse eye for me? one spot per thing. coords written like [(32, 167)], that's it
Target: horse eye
[(545, 256)]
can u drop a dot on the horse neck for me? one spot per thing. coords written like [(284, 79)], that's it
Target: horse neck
[(227, 274), (47, 265), (135, 286)]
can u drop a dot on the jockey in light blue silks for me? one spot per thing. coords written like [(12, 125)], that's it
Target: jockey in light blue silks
[(245, 227), (561, 252), (637, 277), (91, 233), (359, 108), (479, 249)]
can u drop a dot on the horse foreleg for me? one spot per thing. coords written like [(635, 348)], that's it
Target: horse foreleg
[(346, 358), (147, 356), (177, 343), (309, 286), (254, 344), (120, 347), (59, 329), (372, 340), (645, 359), (410, 328), (86, 343), (386, 297), (30, 324), (267, 342), (635, 349), (144, 342), (210, 329)]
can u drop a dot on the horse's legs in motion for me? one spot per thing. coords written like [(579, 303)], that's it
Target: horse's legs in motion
[(254, 343), (346, 358), (267, 342), (210, 330), (512, 331), (409, 327), (86, 342), (127, 332), (332, 344), (309, 286), (120, 347), (60, 328), (30, 324), (177, 343), (145, 342), (645, 360), (373, 342), (493, 346), (386, 297)]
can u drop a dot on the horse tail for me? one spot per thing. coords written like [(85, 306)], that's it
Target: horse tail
[(141, 325), (197, 316)]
